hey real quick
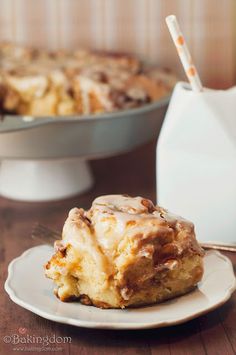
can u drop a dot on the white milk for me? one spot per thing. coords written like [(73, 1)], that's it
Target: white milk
[(196, 161)]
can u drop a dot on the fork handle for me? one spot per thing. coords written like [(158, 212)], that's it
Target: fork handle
[(222, 247)]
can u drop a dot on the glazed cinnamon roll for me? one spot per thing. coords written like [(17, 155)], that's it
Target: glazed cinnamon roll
[(37, 82), (125, 251)]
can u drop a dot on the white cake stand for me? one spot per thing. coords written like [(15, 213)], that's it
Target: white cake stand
[(47, 158)]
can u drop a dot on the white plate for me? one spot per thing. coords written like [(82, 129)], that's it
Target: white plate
[(28, 287)]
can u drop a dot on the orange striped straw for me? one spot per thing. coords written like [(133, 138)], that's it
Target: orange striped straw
[(184, 53)]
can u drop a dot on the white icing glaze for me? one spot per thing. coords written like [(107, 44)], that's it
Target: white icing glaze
[(33, 85), (132, 205), (110, 216), (88, 86)]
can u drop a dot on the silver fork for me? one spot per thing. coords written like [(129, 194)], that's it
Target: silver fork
[(47, 235)]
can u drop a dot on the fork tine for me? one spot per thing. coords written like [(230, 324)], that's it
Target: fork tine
[(44, 234), (39, 228)]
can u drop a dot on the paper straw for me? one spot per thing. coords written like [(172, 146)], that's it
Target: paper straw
[(184, 53)]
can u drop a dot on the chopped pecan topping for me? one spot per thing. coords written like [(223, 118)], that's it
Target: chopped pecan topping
[(149, 205)]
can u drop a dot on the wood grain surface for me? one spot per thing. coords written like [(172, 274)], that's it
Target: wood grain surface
[(133, 173)]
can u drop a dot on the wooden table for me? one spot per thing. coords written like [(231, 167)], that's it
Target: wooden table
[(133, 173)]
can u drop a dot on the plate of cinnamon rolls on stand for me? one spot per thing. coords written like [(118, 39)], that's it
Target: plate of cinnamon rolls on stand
[(68, 107)]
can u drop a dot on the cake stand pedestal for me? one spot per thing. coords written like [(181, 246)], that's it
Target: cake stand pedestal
[(44, 180)]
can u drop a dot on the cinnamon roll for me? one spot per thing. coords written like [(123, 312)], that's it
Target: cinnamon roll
[(125, 251), (80, 82)]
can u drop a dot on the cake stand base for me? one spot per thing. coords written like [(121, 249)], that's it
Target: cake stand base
[(44, 180)]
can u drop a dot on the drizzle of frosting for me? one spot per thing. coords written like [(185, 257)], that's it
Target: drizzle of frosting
[(114, 215), (111, 215)]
